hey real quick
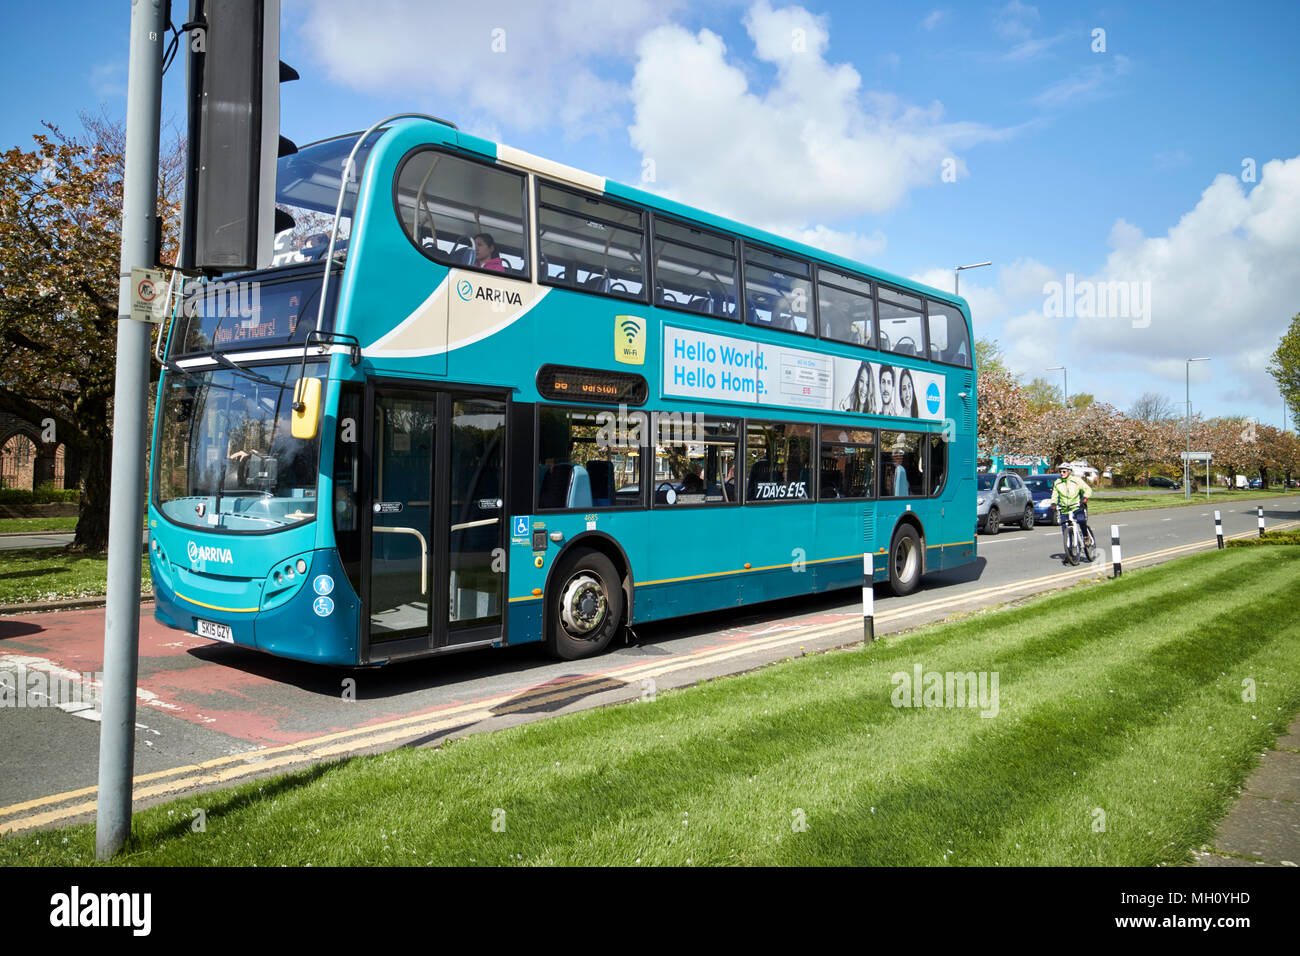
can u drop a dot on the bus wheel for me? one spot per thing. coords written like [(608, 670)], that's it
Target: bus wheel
[(586, 606), (905, 561)]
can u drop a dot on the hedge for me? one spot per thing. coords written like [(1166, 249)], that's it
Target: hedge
[(1270, 537), (41, 496)]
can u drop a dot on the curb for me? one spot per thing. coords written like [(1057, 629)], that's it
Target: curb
[(68, 604)]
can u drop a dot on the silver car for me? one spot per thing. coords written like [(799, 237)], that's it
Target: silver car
[(1002, 499)]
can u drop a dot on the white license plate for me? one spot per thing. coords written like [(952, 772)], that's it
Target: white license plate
[(218, 632)]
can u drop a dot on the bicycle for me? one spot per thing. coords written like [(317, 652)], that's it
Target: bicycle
[(1073, 537)]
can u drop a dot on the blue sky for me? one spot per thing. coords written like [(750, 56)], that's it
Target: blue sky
[(836, 122)]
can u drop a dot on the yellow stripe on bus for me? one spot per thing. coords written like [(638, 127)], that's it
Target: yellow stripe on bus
[(771, 567), (217, 607)]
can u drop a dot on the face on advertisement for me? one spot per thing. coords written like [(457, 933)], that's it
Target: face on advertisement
[(905, 392), (887, 386)]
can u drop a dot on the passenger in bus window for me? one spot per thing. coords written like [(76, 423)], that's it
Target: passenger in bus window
[(862, 397), (485, 253), (907, 395), (887, 390)]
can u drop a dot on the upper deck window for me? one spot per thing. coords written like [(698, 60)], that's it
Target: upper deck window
[(464, 213), (845, 309), (695, 270), (778, 291), (589, 243), (900, 323), (949, 340)]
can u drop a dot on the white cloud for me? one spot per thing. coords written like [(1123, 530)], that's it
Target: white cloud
[(1222, 284), (1014, 21), (520, 64), (108, 79), (1090, 83), (933, 19), (851, 245), (813, 147)]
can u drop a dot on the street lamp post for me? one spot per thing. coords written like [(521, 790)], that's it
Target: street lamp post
[(1065, 382), (1187, 462), (956, 274)]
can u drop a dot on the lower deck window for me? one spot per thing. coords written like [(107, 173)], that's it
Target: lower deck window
[(848, 463), (587, 459), (900, 465), (778, 461), (695, 460)]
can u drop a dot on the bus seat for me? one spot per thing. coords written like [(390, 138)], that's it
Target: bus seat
[(579, 495), (830, 483), (601, 474), (556, 480), (463, 257)]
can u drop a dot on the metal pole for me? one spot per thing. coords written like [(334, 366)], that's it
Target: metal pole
[(130, 402), (1116, 558), (1261, 521), (1218, 529), (956, 282)]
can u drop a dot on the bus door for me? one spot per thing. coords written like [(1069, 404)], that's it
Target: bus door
[(433, 570)]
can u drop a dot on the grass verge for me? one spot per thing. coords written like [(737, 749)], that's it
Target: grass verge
[(1128, 713), (1218, 497), (38, 525), (33, 575)]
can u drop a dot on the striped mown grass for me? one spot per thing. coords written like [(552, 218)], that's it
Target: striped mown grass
[(1128, 712)]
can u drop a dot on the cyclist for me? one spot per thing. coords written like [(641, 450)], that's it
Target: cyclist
[(1071, 494)]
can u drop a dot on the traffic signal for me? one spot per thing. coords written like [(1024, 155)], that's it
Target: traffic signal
[(233, 90)]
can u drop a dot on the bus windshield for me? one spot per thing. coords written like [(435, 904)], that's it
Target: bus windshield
[(227, 460), (307, 189)]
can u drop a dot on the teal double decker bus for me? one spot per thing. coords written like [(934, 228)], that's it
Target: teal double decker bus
[(483, 399)]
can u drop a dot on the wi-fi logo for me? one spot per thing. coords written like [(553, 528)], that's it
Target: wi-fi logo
[(629, 339)]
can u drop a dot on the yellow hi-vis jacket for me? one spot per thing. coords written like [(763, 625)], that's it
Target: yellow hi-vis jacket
[(1069, 493)]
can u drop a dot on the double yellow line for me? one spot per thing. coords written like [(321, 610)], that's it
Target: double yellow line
[(42, 811)]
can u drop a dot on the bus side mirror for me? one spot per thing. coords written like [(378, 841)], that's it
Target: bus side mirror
[(306, 408)]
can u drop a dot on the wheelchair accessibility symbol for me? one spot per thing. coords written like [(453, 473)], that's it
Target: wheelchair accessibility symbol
[(521, 524), (323, 606)]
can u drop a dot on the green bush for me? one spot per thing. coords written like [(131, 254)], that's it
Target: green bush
[(1270, 537), (41, 496)]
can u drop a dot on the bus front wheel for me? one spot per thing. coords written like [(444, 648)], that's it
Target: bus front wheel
[(905, 561), (585, 606)]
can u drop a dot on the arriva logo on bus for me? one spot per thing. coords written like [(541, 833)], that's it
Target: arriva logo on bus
[(199, 552), (468, 291)]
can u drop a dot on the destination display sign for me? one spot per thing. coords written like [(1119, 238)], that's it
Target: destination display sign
[(560, 382), (719, 367)]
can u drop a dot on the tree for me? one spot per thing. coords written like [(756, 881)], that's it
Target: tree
[(1042, 395), (1285, 367), (60, 239), (1152, 407), (988, 356)]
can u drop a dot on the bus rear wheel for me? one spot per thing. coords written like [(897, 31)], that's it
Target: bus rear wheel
[(905, 561), (585, 606)]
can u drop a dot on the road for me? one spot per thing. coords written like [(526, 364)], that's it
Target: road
[(47, 539), (210, 714)]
